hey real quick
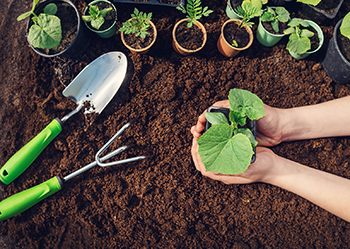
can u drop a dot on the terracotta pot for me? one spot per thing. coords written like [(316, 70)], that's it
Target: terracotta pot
[(143, 50), (181, 50), (226, 48)]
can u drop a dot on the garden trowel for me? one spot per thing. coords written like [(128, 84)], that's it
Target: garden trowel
[(92, 89)]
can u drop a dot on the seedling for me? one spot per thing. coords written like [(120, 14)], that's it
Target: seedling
[(96, 16), (345, 26), (280, 15), (299, 41), (194, 11), (248, 10), (227, 147), (138, 24), (310, 2), (46, 32)]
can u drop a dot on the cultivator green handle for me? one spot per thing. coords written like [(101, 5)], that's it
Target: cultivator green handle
[(21, 160), (22, 201)]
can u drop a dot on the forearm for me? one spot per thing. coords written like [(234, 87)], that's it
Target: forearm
[(326, 190), (329, 119)]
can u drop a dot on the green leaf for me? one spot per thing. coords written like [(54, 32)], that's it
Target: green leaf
[(97, 22), (282, 14), (267, 17), (222, 153), (24, 15), (50, 9), (87, 18), (345, 26), (246, 103), (216, 118), (298, 21), (307, 33), (310, 2), (237, 119), (105, 11), (275, 25), (47, 33), (289, 31), (298, 45)]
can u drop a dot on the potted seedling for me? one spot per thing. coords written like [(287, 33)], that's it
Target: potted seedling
[(272, 23), (139, 33), (100, 17), (55, 29), (319, 10), (233, 4), (337, 60), (227, 146), (237, 35), (189, 35), (305, 38)]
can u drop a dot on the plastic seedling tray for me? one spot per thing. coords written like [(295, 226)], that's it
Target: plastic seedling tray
[(251, 124), (153, 2)]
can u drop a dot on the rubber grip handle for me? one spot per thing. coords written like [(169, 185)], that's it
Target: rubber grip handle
[(20, 202), (21, 160)]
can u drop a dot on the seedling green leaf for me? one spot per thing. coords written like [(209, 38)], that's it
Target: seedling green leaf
[(219, 150), (299, 41), (194, 11), (281, 15), (310, 2), (96, 16), (138, 25), (227, 147), (46, 33), (345, 26)]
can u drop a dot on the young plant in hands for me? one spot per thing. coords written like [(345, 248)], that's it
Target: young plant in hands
[(194, 11), (46, 32), (138, 24), (280, 15), (227, 147), (96, 16), (299, 41)]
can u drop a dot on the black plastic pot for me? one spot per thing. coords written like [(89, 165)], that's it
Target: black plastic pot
[(152, 2), (319, 15), (334, 63), (251, 124), (80, 42)]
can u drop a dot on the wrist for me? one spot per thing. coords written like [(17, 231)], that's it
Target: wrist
[(293, 124)]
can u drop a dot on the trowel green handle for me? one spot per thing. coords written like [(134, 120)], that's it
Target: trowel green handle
[(22, 201), (21, 160)]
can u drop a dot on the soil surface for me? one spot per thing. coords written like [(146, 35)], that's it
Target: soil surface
[(232, 32), (160, 202), (189, 38)]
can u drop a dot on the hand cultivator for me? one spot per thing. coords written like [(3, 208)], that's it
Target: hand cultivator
[(22, 201)]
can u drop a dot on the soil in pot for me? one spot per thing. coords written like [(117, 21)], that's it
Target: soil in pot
[(69, 24), (110, 17), (281, 25), (328, 6), (139, 42), (344, 45), (232, 32), (315, 42), (189, 38)]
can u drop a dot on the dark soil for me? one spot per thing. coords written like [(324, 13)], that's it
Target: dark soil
[(235, 3), (69, 23), (160, 202), (281, 25), (189, 38), (314, 40), (137, 42), (109, 18), (328, 6), (174, 2), (240, 35), (344, 45)]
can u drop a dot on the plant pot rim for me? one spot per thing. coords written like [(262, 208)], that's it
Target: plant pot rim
[(336, 30), (247, 28), (329, 16), (95, 30), (230, 7), (142, 50), (44, 3), (320, 36), (200, 26)]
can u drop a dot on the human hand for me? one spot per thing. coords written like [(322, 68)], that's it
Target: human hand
[(258, 171)]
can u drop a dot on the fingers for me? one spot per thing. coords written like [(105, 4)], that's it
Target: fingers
[(222, 103)]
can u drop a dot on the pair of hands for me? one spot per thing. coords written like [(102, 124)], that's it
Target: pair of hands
[(269, 133)]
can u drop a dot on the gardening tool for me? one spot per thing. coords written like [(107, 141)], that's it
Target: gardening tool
[(22, 201), (92, 89)]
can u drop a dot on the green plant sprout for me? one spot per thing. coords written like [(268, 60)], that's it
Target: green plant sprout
[(280, 15), (234, 43), (310, 2), (46, 32), (96, 16), (248, 10), (194, 11), (138, 24), (227, 147), (299, 41), (345, 26)]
